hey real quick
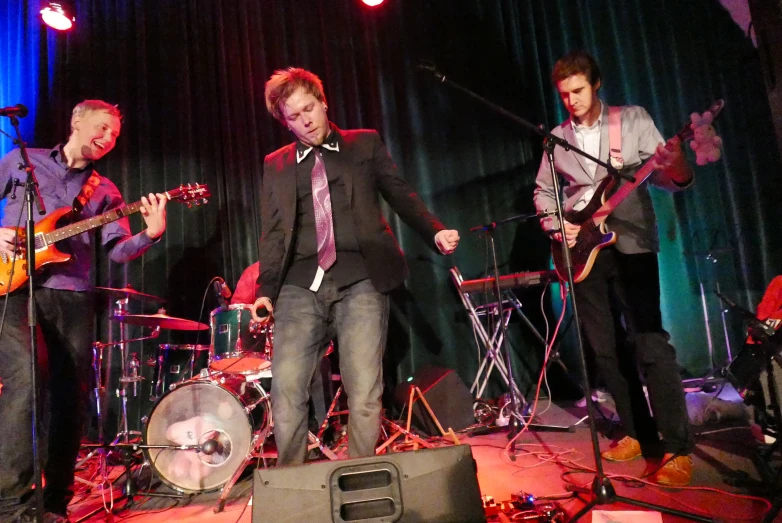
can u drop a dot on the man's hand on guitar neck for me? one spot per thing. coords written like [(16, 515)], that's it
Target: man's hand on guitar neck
[(670, 159), (153, 209), (571, 233), (7, 242)]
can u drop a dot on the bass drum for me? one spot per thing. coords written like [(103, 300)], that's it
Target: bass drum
[(230, 414)]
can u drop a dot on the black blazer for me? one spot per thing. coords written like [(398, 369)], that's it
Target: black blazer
[(368, 172)]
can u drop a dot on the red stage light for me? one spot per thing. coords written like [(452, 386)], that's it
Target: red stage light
[(372, 3), (56, 17)]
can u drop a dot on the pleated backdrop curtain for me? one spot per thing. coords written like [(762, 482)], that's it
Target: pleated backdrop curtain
[(189, 77)]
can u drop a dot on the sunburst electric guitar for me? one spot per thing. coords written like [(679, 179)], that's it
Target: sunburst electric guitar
[(13, 273), (593, 235)]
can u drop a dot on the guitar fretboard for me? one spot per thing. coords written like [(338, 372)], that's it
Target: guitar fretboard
[(91, 223)]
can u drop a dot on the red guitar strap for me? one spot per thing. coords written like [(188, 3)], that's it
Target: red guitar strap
[(86, 192)]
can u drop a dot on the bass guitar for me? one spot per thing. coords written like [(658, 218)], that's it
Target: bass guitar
[(593, 235)]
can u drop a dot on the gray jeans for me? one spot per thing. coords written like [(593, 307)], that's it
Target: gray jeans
[(359, 316)]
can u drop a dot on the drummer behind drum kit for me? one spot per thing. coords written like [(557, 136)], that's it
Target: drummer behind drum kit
[(211, 415)]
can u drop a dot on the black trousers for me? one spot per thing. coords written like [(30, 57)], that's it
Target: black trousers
[(631, 282), (66, 321)]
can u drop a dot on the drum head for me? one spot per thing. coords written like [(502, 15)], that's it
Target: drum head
[(247, 364), (193, 414)]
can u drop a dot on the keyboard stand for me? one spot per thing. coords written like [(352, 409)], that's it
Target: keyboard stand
[(491, 343)]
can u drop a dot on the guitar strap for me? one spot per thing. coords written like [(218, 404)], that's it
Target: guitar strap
[(615, 137), (86, 192)]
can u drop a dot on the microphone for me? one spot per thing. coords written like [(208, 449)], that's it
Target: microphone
[(211, 446), (14, 110), (221, 288)]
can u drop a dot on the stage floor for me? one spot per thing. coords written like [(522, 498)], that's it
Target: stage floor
[(724, 461)]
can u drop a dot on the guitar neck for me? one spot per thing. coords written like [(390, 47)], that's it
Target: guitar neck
[(91, 223), (620, 194)]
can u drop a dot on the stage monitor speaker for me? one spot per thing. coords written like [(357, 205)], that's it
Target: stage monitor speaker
[(434, 486), (446, 394)]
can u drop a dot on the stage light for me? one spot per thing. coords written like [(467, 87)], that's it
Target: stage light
[(56, 16), (372, 3)]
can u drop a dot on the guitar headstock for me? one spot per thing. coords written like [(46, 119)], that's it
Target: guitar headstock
[(191, 193), (702, 135)]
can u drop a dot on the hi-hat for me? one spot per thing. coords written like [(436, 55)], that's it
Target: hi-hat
[(129, 292), (163, 321)]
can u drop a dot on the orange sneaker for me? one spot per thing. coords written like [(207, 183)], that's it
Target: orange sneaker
[(676, 471), (625, 449)]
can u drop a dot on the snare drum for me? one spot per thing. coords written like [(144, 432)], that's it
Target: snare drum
[(239, 345), (175, 364), (233, 413)]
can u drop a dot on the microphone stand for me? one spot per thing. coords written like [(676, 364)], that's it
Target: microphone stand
[(517, 218), (31, 193), (603, 492)]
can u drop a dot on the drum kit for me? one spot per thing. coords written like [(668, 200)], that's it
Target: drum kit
[(210, 415)]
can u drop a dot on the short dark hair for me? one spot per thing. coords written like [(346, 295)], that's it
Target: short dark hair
[(576, 62), (284, 82)]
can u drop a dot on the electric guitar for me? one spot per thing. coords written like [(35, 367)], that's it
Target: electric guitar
[(13, 273), (593, 235)]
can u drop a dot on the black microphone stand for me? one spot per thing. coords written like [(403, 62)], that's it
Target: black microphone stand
[(603, 492), (31, 193)]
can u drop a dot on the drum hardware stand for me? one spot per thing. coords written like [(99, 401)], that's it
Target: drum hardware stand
[(764, 459), (764, 335), (130, 490), (130, 375), (603, 492), (316, 440), (100, 396), (710, 255)]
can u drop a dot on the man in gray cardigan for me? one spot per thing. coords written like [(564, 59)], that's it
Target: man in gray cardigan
[(624, 276)]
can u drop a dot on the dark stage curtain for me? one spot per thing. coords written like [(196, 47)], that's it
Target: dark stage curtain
[(189, 76)]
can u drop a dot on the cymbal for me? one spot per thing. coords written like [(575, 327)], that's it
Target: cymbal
[(163, 321), (129, 292)]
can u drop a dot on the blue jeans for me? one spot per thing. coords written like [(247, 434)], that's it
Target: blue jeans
[(359, 316)]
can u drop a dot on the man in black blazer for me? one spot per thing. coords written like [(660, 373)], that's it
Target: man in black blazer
[(330, 259)]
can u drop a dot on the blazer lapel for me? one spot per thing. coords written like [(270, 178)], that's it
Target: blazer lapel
[(341, 162)]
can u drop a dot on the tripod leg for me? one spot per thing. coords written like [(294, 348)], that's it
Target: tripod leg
[(664, 510)]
